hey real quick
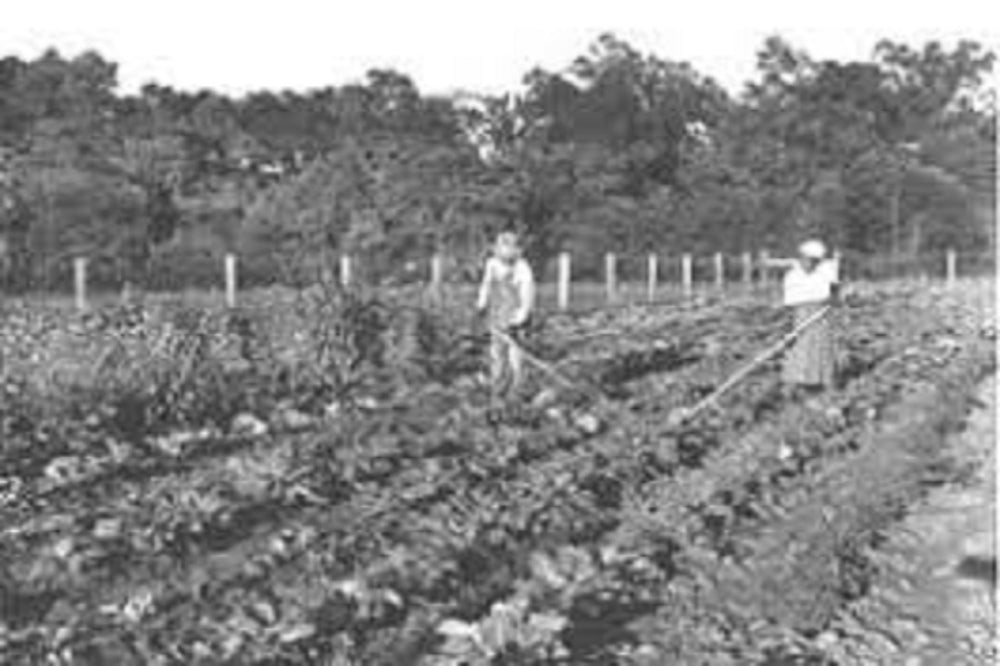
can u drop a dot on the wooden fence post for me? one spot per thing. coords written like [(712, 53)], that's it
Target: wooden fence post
[(345, 270), (747, 269), (765, 256), (564, 281), (686, 274), (231, 280), (952, 266), (720, 271), (80, 282), (437, 274), (653, 271), (611, 280)]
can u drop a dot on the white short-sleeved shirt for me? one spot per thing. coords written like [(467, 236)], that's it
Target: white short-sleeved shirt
[(814, 286)]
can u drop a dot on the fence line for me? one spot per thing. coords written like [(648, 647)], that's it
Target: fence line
[(687, 274), (652, 276), (565, 263), (80, 282), (745, 272), (346, 273), (230, 262), (610, 276)]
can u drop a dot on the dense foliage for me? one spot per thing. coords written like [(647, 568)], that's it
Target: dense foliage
[(620, 151)]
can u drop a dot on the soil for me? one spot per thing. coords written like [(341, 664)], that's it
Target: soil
[(934, 602)]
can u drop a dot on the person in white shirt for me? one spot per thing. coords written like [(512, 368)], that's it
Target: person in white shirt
[(810, 284), (507, 298)]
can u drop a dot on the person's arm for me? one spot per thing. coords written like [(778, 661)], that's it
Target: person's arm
[(773, 262), (835, 293), (836, 289), (484, 288), (526, 294)]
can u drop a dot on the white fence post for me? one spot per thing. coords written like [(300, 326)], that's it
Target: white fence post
[(611, 281), (564, 281), (345, 270), (80, 282), (653, 271), (686, 274), (747, 269), (231, 280), (437, 274), (952, 267), (720, 271), (765, 256)]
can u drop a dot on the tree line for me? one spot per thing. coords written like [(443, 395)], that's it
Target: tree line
[(620, 151)]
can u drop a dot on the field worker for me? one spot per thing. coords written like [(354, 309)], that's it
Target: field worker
[(506, 298), (811, 283)]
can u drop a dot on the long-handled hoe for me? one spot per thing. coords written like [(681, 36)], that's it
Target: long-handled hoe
[(683, 415), (590, 391)]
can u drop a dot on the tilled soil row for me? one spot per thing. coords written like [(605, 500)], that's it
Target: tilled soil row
[(466, 483)]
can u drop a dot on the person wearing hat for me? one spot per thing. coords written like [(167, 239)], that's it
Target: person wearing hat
[(506, 298), (811, 283)]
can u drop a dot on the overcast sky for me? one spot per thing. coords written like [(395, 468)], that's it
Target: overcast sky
[(450, 44)]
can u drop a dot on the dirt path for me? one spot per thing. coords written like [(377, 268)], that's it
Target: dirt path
[(934, 602)]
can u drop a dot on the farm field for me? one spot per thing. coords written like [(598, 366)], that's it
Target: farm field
[(319, 478)]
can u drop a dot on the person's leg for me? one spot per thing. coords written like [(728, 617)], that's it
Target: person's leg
[(515, 361), (793, 369), (498, 364), (794, 356), (817, 376), (810, 354)]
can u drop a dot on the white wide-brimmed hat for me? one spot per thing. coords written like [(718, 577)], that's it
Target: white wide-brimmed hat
[(813, 249)]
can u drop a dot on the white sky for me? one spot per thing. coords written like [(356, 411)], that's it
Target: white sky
[(445, 45)]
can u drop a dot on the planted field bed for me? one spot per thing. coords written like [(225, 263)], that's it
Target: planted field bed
[(321, 478)]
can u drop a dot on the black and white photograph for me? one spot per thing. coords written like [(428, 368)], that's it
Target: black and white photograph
[(443, 333)]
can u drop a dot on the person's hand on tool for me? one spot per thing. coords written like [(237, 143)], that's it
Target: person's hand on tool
[(836, 294), (678, 417), (518, 327)]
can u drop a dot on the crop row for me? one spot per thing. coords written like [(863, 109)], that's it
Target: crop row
[(349, 541)]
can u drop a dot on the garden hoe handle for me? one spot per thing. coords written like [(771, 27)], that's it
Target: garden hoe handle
[(763, 357), (537, 362), (591, 391)]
